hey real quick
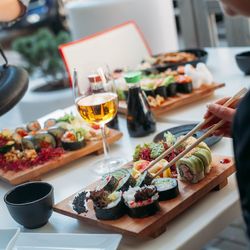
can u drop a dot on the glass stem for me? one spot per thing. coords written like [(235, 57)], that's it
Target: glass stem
[(104, 141)]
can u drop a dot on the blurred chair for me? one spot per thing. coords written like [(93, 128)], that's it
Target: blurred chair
[(198, 25), (155, 18)]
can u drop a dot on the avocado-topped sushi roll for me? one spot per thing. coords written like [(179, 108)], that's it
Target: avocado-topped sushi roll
[(33, 126), (144, 179), (205, 156), (141, 201), (184, 84), (28, 142), (170, 85), (190, 169), (107, 206), (167, 188), (71, 141)]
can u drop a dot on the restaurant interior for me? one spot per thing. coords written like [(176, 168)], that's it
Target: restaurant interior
[(109, 136)]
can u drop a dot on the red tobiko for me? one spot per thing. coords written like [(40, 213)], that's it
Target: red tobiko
[(145, 154), (43, 156)]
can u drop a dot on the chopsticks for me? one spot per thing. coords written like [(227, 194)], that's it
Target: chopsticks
[(195, 129)]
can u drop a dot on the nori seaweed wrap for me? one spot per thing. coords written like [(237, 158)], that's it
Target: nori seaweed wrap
[(141, 201), (167, 188)]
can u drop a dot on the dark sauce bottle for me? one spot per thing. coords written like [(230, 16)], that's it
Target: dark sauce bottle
[(140, 121), (97, 87)]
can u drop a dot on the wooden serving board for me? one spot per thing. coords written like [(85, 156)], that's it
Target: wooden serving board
[(180, 100), (154, 225), (36, 172)]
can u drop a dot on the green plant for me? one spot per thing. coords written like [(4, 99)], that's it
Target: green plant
[(40, 50)]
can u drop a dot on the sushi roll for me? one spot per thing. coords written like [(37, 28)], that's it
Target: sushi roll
[(144, 179), (148, 87), (161, 91), (58, 133), (21, 131), (28, 142), (44, 140), (170, 86), (190, 169), (33, 126), (184, 84), (125, 179), (50, 123), (167, 188), (107, 206), (205, 156), (141, 201), (108, 183), (70, 141)]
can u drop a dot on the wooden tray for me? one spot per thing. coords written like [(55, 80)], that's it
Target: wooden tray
[(153, 226), (180, 100), (36, 172)]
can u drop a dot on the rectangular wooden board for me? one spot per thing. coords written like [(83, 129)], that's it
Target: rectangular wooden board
[(36, 172), (180, 100), (154, 225)]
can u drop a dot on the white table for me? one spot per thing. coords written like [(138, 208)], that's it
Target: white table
[(193, 228)]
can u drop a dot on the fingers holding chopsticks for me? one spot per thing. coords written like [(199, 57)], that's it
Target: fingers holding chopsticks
[(220, 112)]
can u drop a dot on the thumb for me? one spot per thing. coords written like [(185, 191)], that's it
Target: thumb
[(221, 112)]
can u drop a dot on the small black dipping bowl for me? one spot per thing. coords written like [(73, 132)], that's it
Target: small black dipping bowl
[(243, 62), (30, 204)]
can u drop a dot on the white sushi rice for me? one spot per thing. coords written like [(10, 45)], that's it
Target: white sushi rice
[(129, 197)]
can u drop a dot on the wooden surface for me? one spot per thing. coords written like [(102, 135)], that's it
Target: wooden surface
[(153, 226), (179, 100), (36, 172)]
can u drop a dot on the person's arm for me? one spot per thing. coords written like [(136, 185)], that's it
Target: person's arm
[(11, 10)]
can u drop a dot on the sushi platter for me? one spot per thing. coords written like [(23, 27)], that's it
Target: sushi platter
[(180, 100), (153, 226), (141, 198), (27, 153)]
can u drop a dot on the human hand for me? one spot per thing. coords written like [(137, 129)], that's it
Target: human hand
[(221, 113)]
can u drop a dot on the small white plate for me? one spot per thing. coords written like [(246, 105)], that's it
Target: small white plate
[(54, 241), (8, 238)]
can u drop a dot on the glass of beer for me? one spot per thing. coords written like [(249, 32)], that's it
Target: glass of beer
[(97, 103)]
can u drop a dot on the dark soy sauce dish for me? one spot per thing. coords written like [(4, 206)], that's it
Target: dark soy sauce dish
[(243, 62), (30, 204)]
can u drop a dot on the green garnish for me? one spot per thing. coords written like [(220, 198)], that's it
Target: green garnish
[(168, 80), (69, 118), (170, 139), (156, 149)]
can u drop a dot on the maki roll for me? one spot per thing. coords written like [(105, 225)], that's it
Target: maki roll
[(58, 133), (71, 141), (108, 183), (44, 140), (190, 169), (160, 89), (167, 188), (50, 123), (107, 206), (141, 201), (144, 179), (28, 142), (170, 85), (33, 126), (184, 84), (148, 87), (125, 179)]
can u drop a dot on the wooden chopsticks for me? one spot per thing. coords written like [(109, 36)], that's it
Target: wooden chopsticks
[(195, 129)]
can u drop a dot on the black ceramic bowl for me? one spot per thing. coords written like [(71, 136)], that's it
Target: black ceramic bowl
[(243, 62), (30, 204)]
